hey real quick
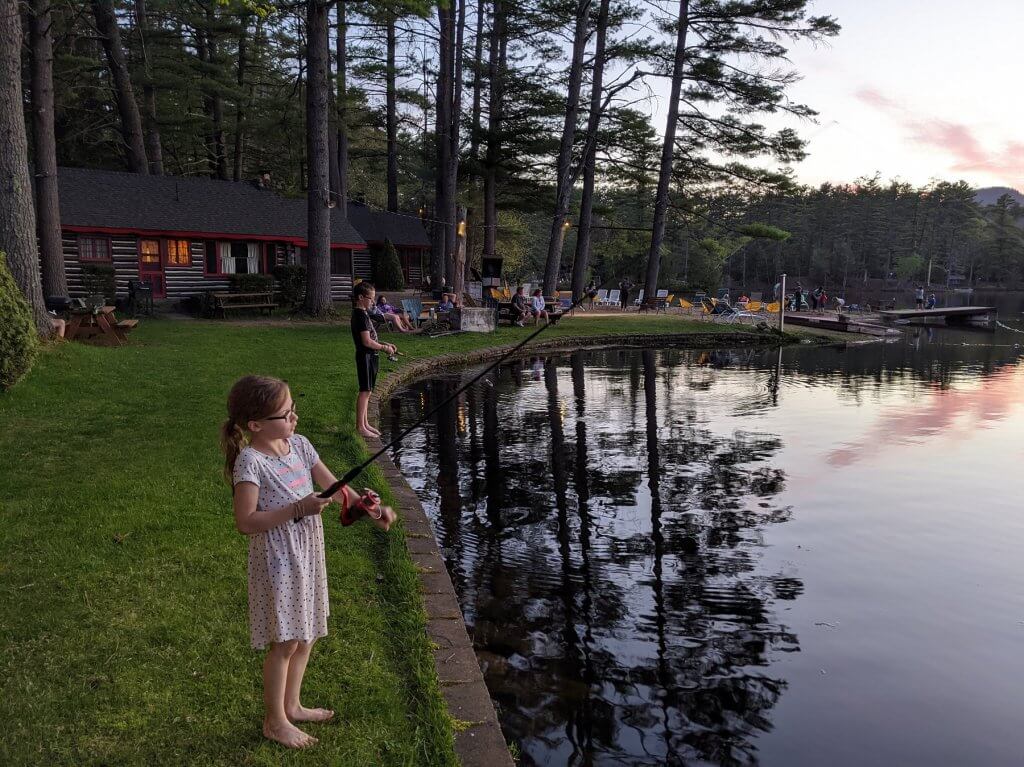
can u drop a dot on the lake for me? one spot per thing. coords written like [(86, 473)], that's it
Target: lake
[(789, 557)]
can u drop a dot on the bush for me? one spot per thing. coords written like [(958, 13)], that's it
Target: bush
[(99, 278), (250, 283), (291, 283), (18, 340), (387, 269)]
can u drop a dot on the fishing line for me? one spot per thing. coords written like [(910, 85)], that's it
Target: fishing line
[(1007, 327), (354, 472)]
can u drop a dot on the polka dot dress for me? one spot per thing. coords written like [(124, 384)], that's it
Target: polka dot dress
[(287, 573)]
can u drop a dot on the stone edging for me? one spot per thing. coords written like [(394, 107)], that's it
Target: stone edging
[(480, 742)]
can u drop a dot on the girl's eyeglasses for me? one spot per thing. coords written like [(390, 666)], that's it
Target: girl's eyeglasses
[(287, 414)]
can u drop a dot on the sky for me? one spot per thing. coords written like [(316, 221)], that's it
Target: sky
[(915, 89)]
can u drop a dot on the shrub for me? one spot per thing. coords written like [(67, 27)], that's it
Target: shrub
[(250, 283), (291, 283), (99, 278), (387, 269), (18, 340)]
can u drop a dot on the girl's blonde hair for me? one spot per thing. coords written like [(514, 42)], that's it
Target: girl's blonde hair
[(250, 399)]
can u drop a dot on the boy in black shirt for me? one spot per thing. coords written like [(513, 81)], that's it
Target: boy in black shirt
[(364, 335)]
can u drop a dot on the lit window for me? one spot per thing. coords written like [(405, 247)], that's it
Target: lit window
[(93, 249), (149, 251), (178, 253)]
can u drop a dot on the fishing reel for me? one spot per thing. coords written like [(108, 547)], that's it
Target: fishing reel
[(368, 505)]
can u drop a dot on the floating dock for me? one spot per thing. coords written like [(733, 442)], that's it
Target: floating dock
[(839, 323), (952, 315)]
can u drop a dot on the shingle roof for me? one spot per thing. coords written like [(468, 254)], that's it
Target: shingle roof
[(117, 200), (378, 225)]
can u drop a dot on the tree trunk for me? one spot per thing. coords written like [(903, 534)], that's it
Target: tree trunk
[(667, 151), (478, 54), (452, 180), (439, 255), (131, 123), (341, 51), (475, 128), (218, 150), (496, 85), (563, 184), (318, 233), (40, 27), (579, 265), (390, 75), (241, 104), (153, 146), (17, 217)]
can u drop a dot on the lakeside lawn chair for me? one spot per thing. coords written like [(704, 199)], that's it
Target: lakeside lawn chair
[(601, 297), (685, 305), (613, 298), (639, 298), (413, 309)]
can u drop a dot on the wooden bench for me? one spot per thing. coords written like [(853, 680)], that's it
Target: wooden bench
[(653, 305), (127, 324), (225, 302)]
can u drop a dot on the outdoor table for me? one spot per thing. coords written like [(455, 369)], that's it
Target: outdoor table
[(100, 325)]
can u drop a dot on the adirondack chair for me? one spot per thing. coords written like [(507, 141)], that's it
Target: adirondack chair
[(413, 309)]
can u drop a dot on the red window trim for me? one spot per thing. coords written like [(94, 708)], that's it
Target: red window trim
[(166, 251), (161, 248), (110, 249)]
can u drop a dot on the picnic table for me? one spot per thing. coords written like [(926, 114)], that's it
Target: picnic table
[(98, 324), (225, 302)]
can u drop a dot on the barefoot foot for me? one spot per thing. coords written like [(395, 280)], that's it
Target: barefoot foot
[(287, 734), (303, 714), (364, 433)]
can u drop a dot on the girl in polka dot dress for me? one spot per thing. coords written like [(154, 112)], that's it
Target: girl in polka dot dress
[(272, 470)]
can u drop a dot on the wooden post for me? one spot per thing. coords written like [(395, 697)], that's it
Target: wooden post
[(782, 301)]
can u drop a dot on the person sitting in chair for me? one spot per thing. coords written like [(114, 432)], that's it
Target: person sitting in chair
[(392, 315), (931, 301), (447, 303), (520, 309), (538, 307)]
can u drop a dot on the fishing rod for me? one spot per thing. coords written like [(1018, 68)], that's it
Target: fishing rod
[(357, 470)]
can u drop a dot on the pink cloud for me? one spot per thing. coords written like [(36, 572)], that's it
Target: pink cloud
[(955, 139)]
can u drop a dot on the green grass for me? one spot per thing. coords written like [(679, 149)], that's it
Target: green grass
[(123, 580)]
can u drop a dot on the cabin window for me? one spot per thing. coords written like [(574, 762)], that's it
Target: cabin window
[(340, 263), (93, 248), (210, 258), (149, 251), (178, 253)]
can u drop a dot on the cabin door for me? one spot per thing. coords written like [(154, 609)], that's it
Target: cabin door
[(151, 267)]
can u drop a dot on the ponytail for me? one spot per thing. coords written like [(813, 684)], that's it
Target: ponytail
[(232, 440)]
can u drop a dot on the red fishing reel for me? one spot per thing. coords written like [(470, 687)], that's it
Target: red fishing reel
[(367, 505)]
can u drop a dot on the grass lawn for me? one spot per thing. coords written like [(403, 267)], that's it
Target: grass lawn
[(123, 580)]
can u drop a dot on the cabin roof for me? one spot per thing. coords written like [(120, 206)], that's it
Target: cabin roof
[(104, 199), (402, 229)]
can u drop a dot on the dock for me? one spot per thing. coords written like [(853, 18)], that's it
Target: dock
[(951, 314), (844, 323)]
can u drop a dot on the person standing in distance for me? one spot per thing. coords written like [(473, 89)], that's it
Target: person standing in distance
[(364, 335)]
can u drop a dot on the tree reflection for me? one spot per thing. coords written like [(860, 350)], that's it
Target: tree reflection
[(604, 548)]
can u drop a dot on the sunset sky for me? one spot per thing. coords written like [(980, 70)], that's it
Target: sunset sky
[(917, 89)]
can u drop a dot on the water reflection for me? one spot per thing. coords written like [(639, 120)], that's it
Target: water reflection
[(607, 563), (606, 518)]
